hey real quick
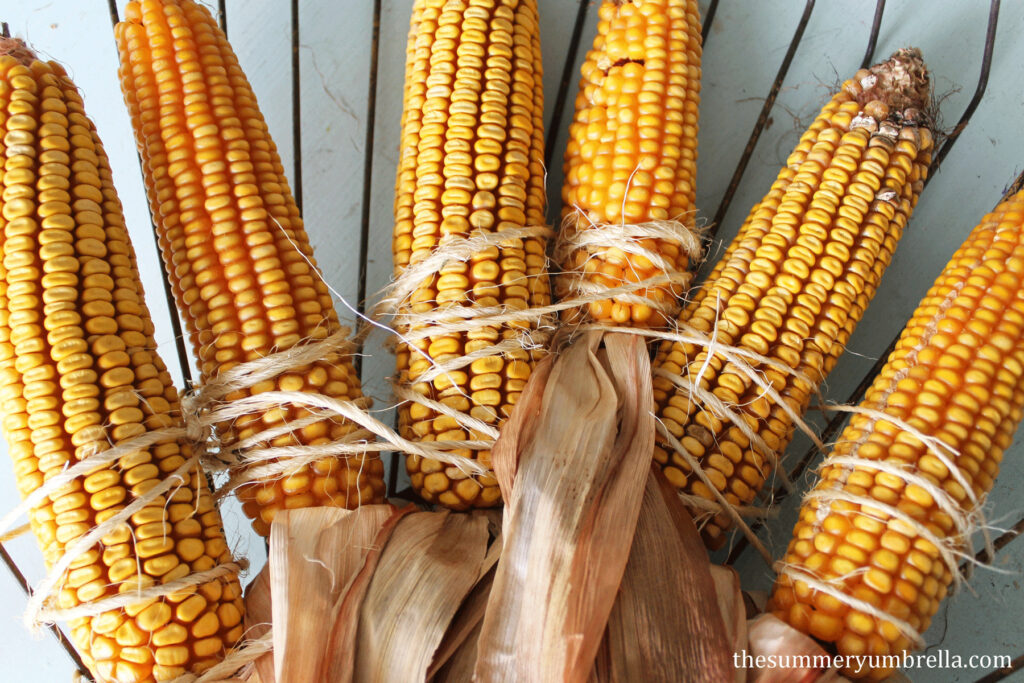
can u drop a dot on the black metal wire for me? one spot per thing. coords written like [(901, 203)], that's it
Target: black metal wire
[(876, 24), (364, 222), (54, 629), (568, 71), (709, 18), (222, 15), (296, 109), (839, 419), (1002, 674), (986, 66), (762, 121)]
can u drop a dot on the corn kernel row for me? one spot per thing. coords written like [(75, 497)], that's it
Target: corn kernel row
[(233, 243), (796, 280), (79, 373), (471, 163)]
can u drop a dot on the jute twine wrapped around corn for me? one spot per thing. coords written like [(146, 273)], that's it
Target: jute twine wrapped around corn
[(108, 469), (880, 536)]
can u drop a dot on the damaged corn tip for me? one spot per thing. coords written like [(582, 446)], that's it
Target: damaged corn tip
[(472, 163), (795, 281), (232, 240), (79, 373), (632, 152), (956, 375)]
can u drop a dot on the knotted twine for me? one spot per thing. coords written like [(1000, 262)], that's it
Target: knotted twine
[(950, 547)]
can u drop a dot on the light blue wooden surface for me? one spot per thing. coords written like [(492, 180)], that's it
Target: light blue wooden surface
[(747, 43)]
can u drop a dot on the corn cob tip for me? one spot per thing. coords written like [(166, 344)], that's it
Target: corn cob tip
[(897, 89), (16, 47)]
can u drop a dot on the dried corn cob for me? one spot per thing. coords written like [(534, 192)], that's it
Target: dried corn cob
[(797, 278), (233, 242), (957, 374), (632, 151), (471, 163), (79, 373)]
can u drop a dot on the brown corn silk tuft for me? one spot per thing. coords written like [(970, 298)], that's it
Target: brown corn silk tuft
[(957, 374), (79, 373), (632, 151), (796, 280), (233, 244), (471, 163)]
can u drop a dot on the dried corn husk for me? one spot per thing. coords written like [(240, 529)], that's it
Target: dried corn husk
[(572, 461), (666, 624), (430, 564), (314, 555)]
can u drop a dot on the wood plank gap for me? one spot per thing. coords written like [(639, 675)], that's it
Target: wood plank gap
[(364, 222)]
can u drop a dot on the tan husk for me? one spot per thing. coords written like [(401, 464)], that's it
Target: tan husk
[(467, 620), (769, 635), (314, 555), (572, 462), (734, 612), (430, 564), (666, 624), (258, 613)]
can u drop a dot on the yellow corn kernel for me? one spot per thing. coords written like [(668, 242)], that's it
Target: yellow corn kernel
[(807, 260), (250, 287), (71, 308), (476, 169), (906, 576)]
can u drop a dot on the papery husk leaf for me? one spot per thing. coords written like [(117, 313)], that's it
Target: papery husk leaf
[(581, 459), (770, 636), (340, 662), (666, 625), (734, 613), (258, 615), (459, 667), (314, 553), (429, 566), (471, 613)]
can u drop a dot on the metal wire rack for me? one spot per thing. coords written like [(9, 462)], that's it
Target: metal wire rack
[(383, 38)]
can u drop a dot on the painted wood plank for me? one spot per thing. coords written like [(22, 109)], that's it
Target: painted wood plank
[(334, 85)]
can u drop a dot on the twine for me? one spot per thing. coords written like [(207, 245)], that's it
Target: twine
[(459, 319), (597, 240), (950, 547)]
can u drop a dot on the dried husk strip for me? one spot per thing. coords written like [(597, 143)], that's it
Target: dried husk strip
[(340, 665), (459, 667), (257, 622), (471, 613), (733, 606), (769, 635), (572, 473), (314, 554), (430, 564), (666, 625)]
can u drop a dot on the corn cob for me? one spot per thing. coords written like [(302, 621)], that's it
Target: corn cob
[(957, 374), (233, 242), (471, 163), (79, 373), (797, 278), (632, 151)]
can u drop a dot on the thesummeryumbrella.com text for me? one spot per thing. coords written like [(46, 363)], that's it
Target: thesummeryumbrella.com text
[(941, 659)]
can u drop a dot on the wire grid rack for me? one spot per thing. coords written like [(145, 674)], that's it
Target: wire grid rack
[(330, 75)]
